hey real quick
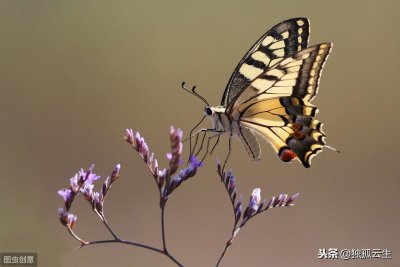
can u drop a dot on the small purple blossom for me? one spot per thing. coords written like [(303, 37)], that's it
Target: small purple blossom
[(66, 219), (255, 198), (238, 210), (71, 219), (138, 139), (66, 194), (98, 202), (129, 136), (230, 183), (63, 216), (195, 162), (255, 205), (190, 170), (291, 199), (74, 182), (115, 173), (155, 166), (91, 177), (87, 191), (174, 156)]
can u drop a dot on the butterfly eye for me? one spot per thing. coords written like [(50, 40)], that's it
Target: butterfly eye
[(208, 111)]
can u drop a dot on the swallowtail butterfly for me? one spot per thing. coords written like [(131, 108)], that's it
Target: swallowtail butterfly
[(269, 94)]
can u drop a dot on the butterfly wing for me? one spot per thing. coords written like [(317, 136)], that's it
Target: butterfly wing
[(283, 40), (277, 105)]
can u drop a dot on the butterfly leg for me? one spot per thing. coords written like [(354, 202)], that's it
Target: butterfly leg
[(192, 150), (195, 144), (197, 137), (201, 144), (229, 153), (215, 145), (218, 134)]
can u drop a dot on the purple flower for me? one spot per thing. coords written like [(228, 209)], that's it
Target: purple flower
[(115, 173), (174, 156), (71, 219), (74, 182), (91, 177), (289, 202), (231, 180), (66, 194), (190, 170), (63, 215), (238, 209), (66, 219), (195, 162), (155, 166), (176, 134), (98, 202), (87, 191), (129, 136), (138, 139), (230, 183), (255, 198)]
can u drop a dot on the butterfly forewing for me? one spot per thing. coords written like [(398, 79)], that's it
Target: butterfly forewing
[(297, 75), (283, 40)]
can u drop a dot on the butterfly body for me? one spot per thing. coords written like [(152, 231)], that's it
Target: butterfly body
[(270, 91)]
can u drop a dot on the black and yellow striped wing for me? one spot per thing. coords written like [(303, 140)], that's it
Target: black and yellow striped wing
[(283, 40), (276, 105)]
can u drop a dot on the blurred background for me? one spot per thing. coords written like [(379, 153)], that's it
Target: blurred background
[(75, 74)]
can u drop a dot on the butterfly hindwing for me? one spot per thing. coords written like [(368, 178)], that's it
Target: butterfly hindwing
[(250, 142), (288, 124), (283, 40)]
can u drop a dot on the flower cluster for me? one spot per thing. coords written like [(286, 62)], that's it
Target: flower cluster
[(82, 183), (255, 205), (165, 178), (167, 181)]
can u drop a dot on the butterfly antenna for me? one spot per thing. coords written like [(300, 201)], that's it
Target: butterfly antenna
[(334, 149), (193, 92)]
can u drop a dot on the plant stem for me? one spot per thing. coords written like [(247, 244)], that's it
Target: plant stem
[(161, 251), (163, 229), (124, 242), (223, 252), (109, 228), (71, 232)]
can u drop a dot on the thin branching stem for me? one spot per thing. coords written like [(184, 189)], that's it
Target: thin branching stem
[(163, 229), (161, 251), (103, 218), (123, 242), (76, 236), (223, 253), (126, 242)]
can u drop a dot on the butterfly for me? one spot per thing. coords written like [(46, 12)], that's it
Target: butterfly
[(269, 95)]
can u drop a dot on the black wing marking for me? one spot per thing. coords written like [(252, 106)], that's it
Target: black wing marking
[(283, 40)]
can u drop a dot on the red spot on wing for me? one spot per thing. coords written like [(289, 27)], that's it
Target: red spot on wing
[(287, 155), (298, 135), (296, 127)]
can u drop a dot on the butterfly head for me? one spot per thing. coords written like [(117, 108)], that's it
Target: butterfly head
[(208, 110)]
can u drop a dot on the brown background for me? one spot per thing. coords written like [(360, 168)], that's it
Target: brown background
[(75, 74)]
